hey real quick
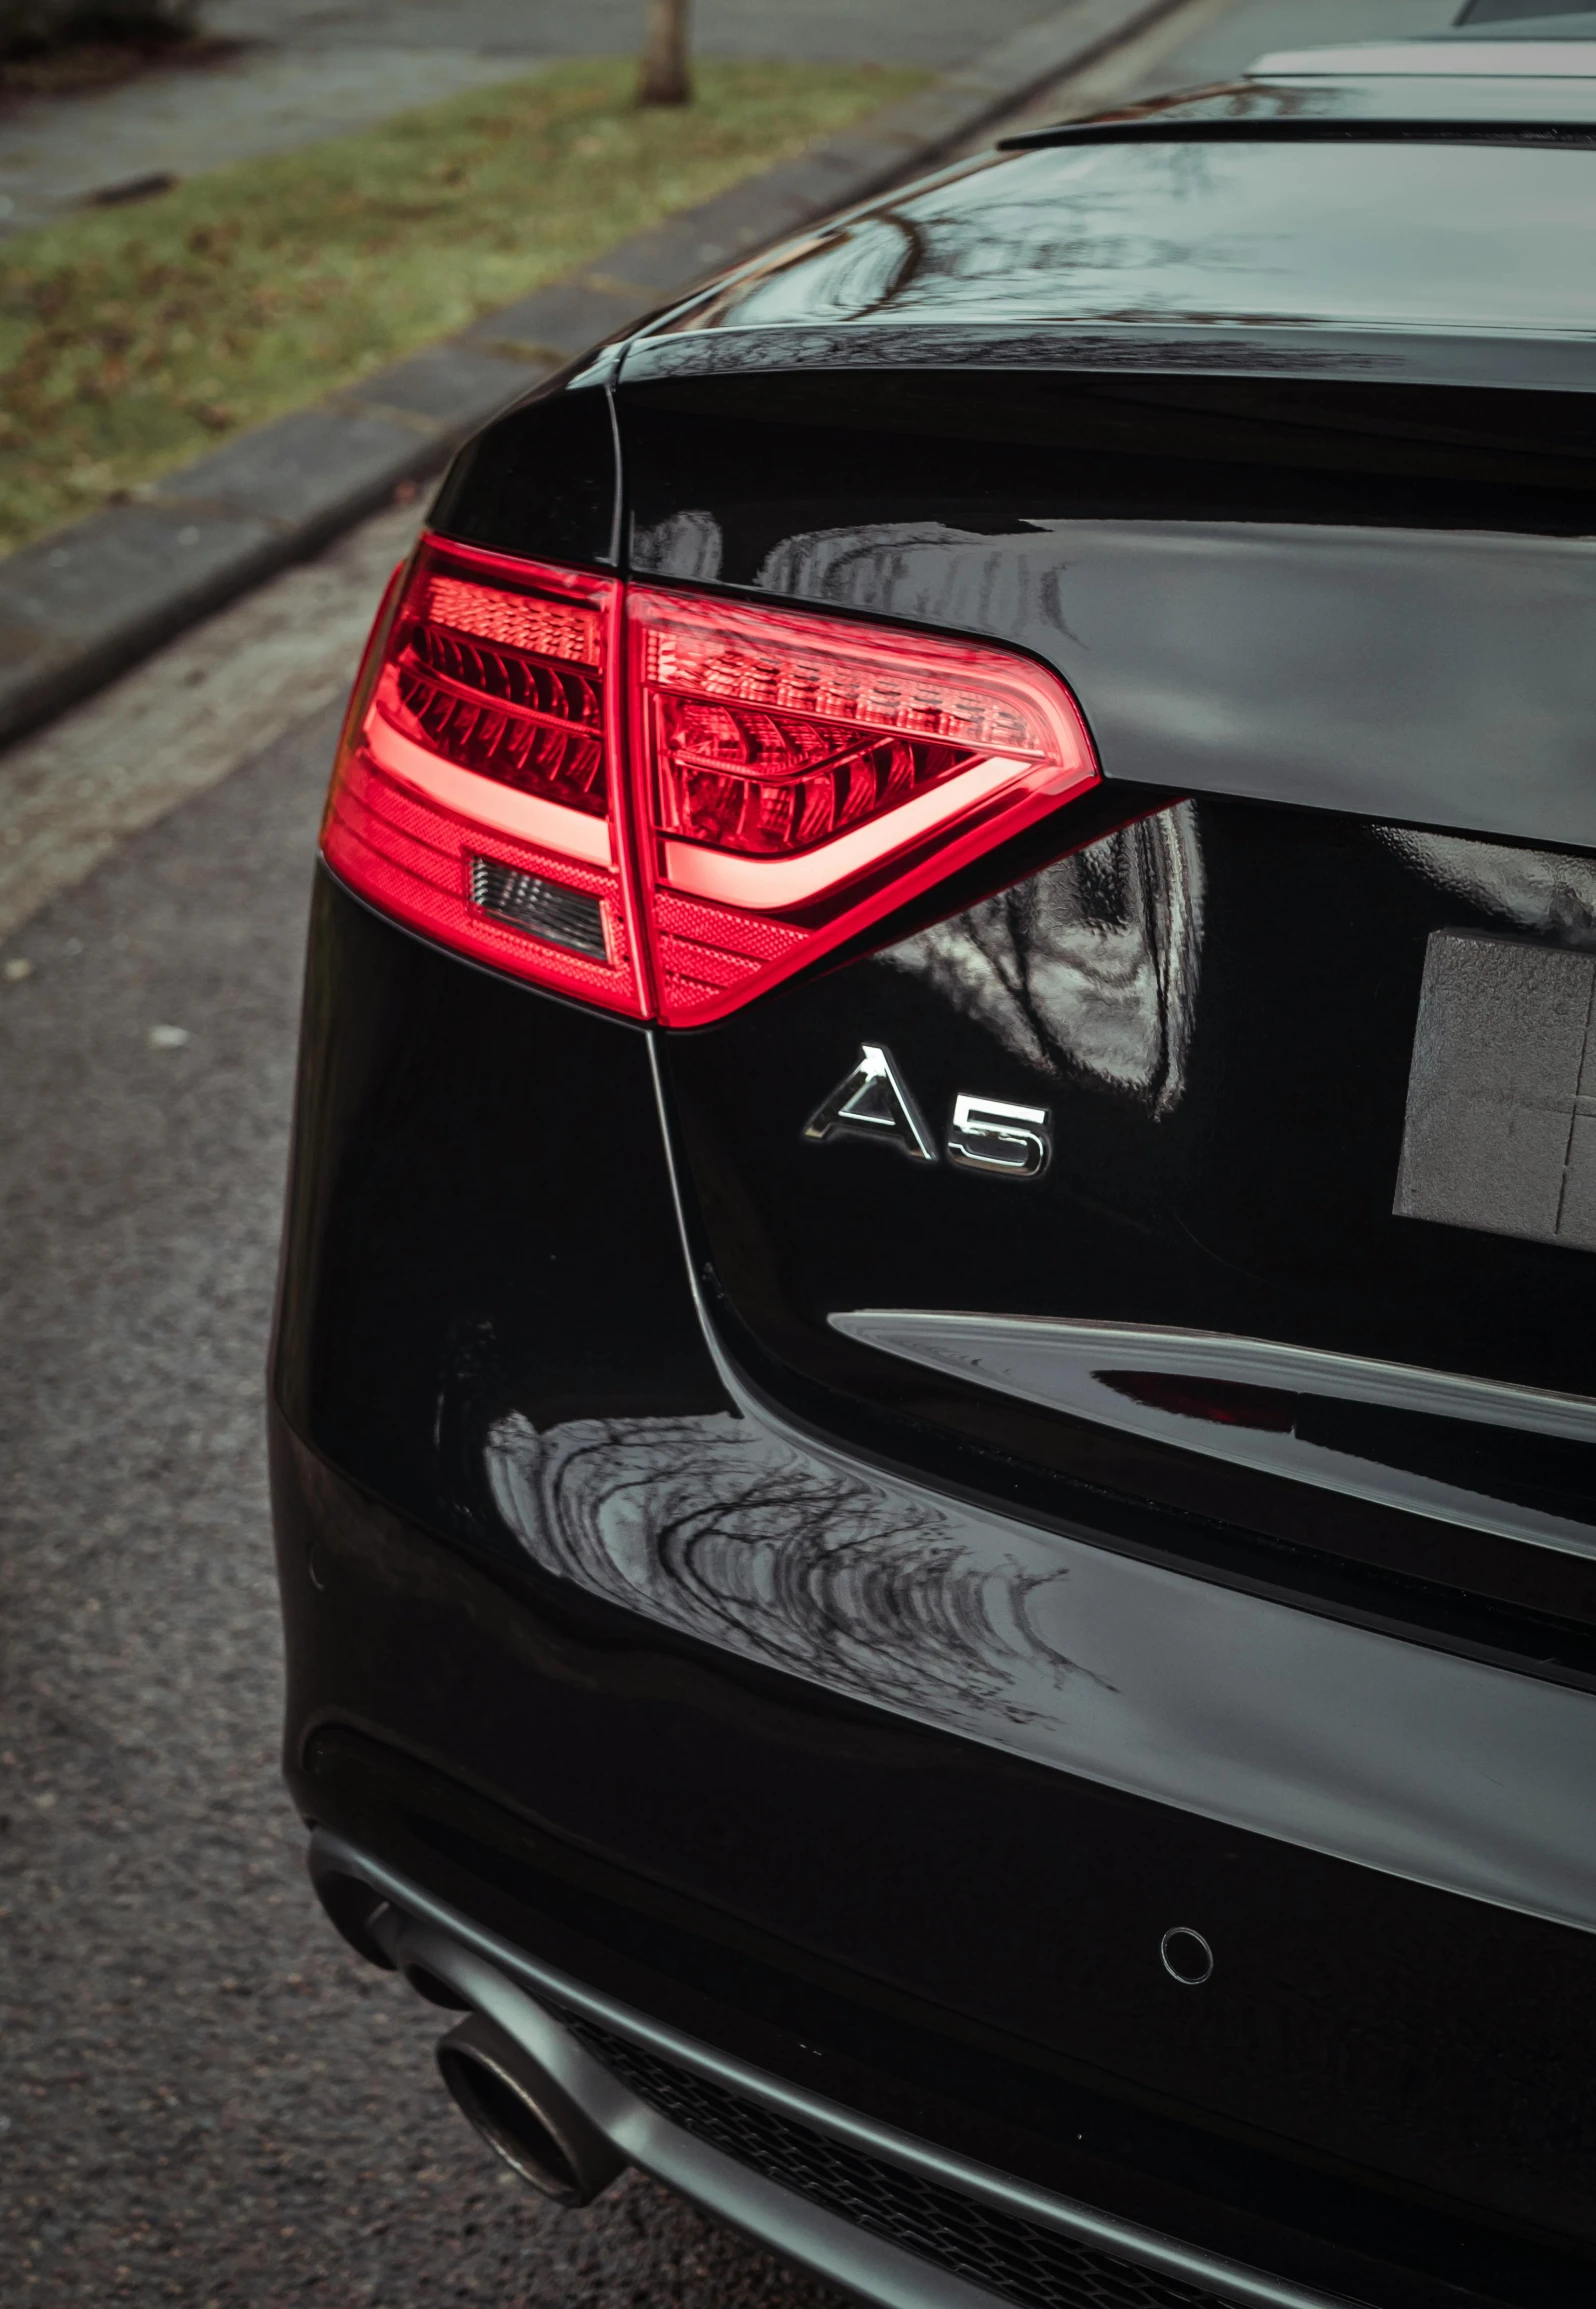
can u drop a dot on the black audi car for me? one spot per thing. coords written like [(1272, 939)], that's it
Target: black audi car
[(934, 1401)]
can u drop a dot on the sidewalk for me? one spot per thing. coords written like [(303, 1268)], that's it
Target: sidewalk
[(303, 70), (87, 601)]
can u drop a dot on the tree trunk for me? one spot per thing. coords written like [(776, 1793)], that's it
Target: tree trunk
[(665, 78)]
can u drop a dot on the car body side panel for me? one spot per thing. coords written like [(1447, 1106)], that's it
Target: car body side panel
[(478, 1220), (543, 479)]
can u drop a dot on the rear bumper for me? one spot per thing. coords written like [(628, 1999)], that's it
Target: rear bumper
[(864, 2206), (930, 1940), (886, 1792)]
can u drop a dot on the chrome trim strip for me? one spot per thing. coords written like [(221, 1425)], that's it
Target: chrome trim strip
[(495, 1976), (1056, 1363)]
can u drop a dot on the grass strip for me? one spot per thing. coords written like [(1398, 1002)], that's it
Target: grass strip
[(133, 339)]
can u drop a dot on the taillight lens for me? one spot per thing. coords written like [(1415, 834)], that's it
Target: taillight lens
[(785, 779), (472, 794), (795, 777)]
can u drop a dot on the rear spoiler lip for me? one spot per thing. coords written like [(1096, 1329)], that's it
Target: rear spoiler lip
[(674, 348)]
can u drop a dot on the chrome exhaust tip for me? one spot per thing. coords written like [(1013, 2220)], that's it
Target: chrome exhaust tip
[(524, 2115)]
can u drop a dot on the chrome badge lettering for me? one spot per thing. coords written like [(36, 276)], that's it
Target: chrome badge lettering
[(1008, 1142), (874, 1102), (990, 1135)]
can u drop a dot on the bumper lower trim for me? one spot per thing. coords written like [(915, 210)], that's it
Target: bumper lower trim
[(513, 1989)]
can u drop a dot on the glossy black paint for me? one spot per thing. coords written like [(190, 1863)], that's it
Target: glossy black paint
[(1018, 448), (430, 1183), (1128, 530), (947, 1936), (1218, 348), (1410, 234), (1547, 110), (576, 1634), (479, 1219), (542, 480), (1218, 1007)]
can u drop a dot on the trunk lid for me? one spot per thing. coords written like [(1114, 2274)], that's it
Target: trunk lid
[(1298, 1003)]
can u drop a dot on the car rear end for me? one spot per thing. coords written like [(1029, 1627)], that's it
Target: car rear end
[(934, 1423)]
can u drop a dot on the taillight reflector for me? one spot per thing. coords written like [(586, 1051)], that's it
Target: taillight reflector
[(785, 778)]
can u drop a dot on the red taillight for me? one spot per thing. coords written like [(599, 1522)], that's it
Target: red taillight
[(472, 793), (795, 777), (785, 780)]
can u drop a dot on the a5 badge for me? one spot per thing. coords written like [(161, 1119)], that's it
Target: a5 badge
[(989, 1135)]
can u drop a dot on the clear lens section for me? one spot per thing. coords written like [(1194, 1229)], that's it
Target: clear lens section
[(552, 911), (837, 673), (541, 626)]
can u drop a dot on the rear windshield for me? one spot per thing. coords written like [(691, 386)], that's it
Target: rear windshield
[(1483, 238)]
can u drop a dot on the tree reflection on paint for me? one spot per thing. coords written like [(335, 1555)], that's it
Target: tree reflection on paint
[(1089, 967), (728, 1534)]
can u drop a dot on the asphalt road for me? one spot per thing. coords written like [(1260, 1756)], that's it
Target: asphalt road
[(203, 2098)]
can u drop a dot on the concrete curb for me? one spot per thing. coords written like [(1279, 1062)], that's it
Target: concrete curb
[(81, 605)]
